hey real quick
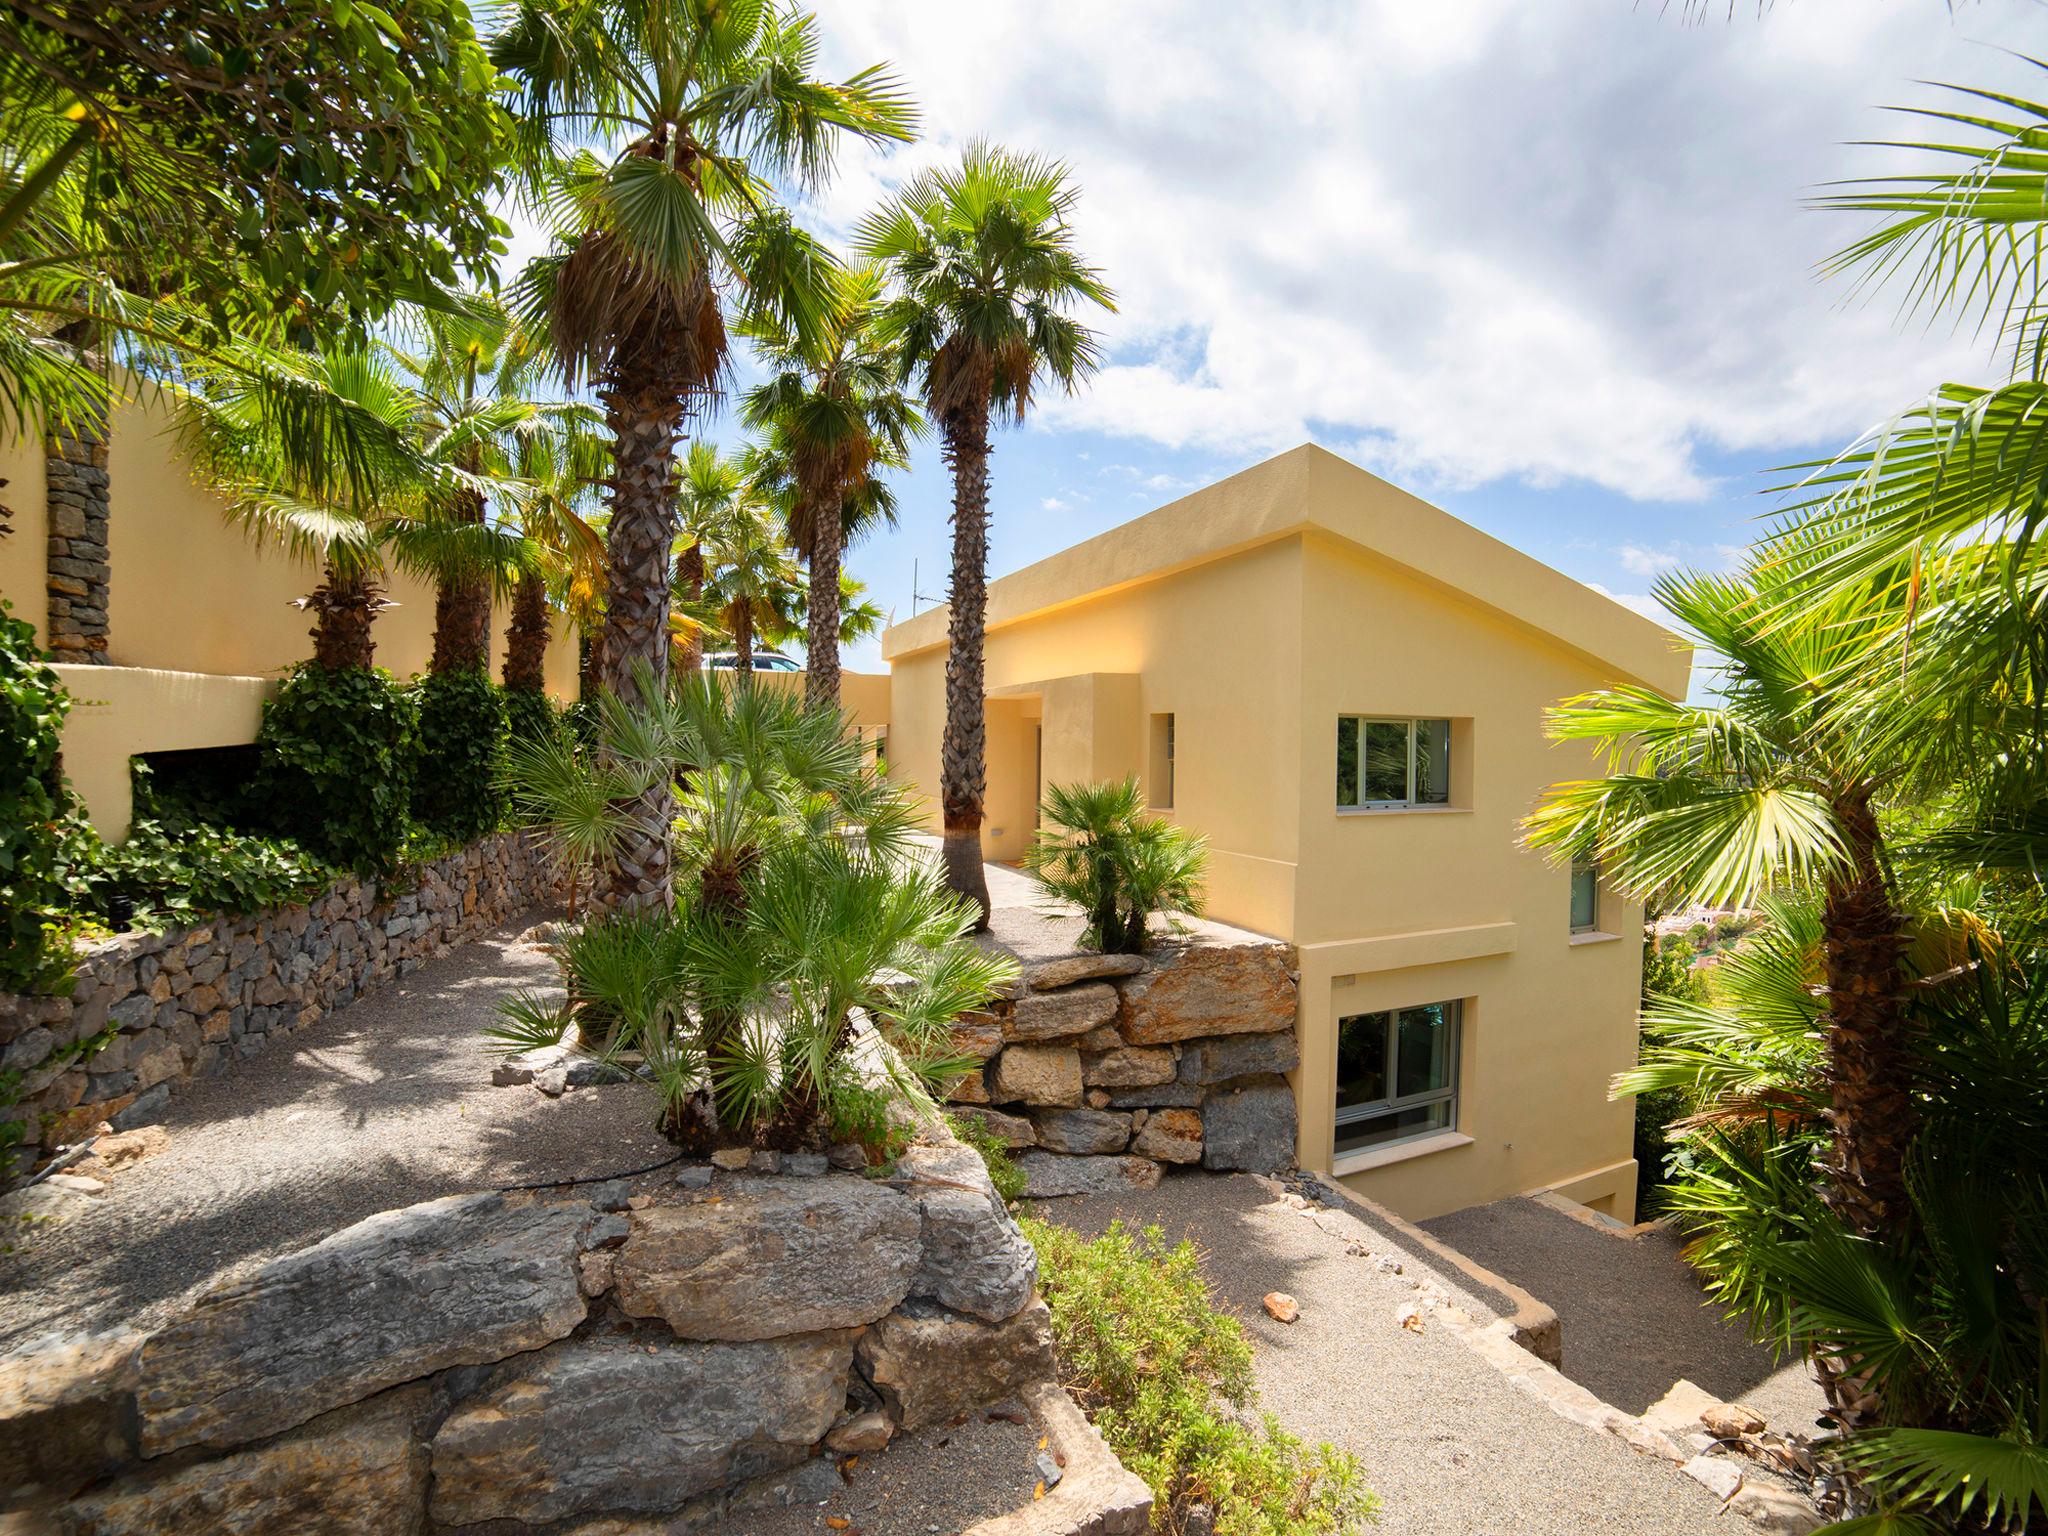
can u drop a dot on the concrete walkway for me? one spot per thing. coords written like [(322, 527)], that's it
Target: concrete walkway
[(1635, 1319), (381, 1104), (1449, 1444)]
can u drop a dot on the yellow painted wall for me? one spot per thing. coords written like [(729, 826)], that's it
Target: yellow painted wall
[(191, 592), (1257, 612), (22, 552), (1217, 645)]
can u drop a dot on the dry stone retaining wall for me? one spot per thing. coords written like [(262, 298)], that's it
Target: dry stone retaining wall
[(151, 1012), (522, 1361), (1101, 1070)]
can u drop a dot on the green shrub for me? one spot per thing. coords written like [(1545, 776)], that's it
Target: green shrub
[(336, 767), (1160, 1371), (1099, 850), (35, 955), (1003, 1171), (455, 786), (531, 716), (180, 863)]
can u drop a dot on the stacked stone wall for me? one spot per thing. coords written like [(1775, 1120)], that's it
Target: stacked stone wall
[(1100, 1071), (151, 1012)]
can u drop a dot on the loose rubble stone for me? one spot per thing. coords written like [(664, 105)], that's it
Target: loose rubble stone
[(930, 1364), (612, 1424), (1281, 1307), (694, 1176), (1037, 1074), (732, 1159), (1049, 1176), (1207, 987), (1064, 973), (1134, 1066), (1170, 1136), (861, 1435), (67, 1412), (848, 1155), (804, 1165), (1250, 1129), (774, 1263), (1082, 1132), (974, 1257), (460, 1281), (359, 1469), (1719, 1475), (1731, 1421)]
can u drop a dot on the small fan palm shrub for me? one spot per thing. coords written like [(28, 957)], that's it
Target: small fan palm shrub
[(1098, 849), (807, 930)]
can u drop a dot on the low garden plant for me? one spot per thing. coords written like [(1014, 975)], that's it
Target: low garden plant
[(1099, 850), (802, 908), (1167, 1378)]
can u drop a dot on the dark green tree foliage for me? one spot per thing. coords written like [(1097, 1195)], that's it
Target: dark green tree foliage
[(32, 809), (341, 155), (455, 788), (1099, 850), (337, 764), (531, 716)]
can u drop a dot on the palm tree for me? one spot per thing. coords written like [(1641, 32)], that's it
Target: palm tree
[(1781, 785), (560, 473), (750, 582), (985, 274), (701, 99), (833, 414)]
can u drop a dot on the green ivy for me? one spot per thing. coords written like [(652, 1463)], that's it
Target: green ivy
[(35, 955), (456, 789), (180, 862), (336, 770), (531, 716)]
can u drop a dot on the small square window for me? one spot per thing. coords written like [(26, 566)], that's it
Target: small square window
[(1585, 896), (1386, 763)]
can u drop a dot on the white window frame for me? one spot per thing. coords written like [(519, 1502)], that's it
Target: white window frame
[(1358, 723), (1350, 1114)]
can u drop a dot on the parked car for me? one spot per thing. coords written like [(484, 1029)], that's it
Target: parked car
[(764, 661)]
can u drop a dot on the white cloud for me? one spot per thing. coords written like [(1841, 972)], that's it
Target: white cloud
[(1638, 561), (1494, 240), (1055, 504)]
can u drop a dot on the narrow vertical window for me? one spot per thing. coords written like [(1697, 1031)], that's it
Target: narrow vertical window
[(1585, 896), (1161, 776)]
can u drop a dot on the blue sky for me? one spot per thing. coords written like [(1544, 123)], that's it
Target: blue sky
[(1545, 265)]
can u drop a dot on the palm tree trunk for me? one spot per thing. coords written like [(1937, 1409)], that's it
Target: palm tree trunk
[(645, 413), (344, 606), (821, 634), (526, 637), (1869, 1057), (963, 751), (462, 607), (690, 576), (743, 644)]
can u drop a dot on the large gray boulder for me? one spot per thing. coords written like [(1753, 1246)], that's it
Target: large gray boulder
[(931, 1365), (1049, 1175), (783, 1255), (1052, 1015), (359, 1469), (620, 1425), (463, 1281), (67, 1412), (975, 1259), (1219, 1061), (1082, 1132), (1249, 1129), (1210, 986)]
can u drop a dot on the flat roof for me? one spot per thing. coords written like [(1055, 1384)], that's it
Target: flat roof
[(1309, 489)]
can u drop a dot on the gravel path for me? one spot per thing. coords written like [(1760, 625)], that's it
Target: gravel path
[(1635, 1319), (941, 1479), (382, 1104), (1449, 1445)]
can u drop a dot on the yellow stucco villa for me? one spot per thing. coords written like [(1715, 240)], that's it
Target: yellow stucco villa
[(1343, 688)]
